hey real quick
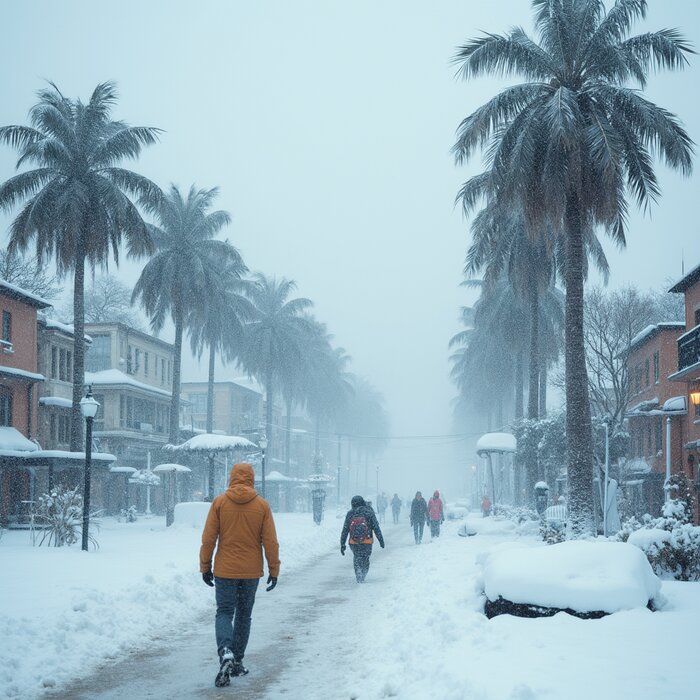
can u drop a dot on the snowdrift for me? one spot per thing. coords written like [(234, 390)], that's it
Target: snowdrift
[(588, 579)]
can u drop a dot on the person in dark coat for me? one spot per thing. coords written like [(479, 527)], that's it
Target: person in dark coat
[(419, 514), (360, 526), (396, 507)]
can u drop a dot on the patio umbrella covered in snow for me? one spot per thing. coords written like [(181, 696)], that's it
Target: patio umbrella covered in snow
[(170, 472)]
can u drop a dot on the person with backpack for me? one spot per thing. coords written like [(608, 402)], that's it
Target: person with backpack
[(239, 525), (396, 507), (419, 512), (436, 515), (360, 526)]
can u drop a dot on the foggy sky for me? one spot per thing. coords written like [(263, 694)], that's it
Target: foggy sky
[(327, 126)]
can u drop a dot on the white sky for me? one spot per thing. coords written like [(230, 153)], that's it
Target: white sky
[(327, 126)]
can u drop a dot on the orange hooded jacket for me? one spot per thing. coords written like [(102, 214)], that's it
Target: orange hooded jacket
[(239, 524)]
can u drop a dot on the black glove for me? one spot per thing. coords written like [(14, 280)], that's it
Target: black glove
[(208, 578), (342, 549), (381, 544), (272, 581)]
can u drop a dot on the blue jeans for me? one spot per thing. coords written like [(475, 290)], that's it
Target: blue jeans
[(234, 596)]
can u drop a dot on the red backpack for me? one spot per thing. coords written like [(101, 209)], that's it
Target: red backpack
[(359, 529)]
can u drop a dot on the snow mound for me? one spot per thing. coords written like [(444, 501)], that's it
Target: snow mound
[(649, 537), (191, 514), (584, 576)]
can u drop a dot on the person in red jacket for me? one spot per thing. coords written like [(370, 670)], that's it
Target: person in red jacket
[(436, 514), (486, 506), (239, 526)]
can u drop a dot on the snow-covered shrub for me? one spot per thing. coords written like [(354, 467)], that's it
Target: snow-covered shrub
[(518, 514), (128, 515), (59, 515), (671, 542), (552, 532)]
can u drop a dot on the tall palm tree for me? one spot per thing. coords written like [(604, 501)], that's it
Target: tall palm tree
[(276, 338), (221, 326), (570, 144), (78, 203), (177, 279)]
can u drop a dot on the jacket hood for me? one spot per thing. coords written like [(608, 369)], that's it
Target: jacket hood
[(436, 494), (240, 485), (357, 501)]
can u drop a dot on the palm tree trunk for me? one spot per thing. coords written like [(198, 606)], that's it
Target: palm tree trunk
[(210, 388), (174, 435), (288, 439), (533, 402), (76, 428), (533, 399), (519, 398), (268, 411), (579, 437), (317, 438), (543, 391)]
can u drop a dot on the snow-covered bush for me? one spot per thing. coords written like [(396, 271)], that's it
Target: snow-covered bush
[(59, 516), (671, 542), (518, 514), (552, 532), (128, 515)]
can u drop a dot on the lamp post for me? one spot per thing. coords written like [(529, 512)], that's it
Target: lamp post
[(263, 446), (88, 407), (667, 484), (337, 484)]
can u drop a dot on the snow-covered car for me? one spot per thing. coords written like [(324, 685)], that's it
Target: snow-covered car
[(455, 512)]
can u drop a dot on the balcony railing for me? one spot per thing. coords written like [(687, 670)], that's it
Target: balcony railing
[(689, 348)]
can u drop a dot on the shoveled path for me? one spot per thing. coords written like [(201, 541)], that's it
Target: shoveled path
[(303, 621)]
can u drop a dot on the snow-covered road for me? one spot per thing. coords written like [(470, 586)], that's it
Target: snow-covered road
[(415, 630)]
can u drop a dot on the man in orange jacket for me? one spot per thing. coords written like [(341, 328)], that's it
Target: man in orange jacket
[(239, 525)]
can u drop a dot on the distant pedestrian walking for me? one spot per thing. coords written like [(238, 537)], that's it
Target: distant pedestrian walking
[(396, 507), (436, 515), (485, 506), (382, 504), (419, 511), (239, 525), (360, 526)]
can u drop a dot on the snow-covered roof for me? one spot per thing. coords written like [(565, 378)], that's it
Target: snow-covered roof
[(14, 291), (170, 467), (58, 401), (541, 485), (115, 377), (116, 469), (210, 442), (11, 439), (21, 374), (686, 281), (274, 475), (496, 442), (248, 383), (652, 330), (53, 324), (582, 575)]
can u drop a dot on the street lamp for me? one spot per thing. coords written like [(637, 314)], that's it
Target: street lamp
[(262, 442), (88, 407)]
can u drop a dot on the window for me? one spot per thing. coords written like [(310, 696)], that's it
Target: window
[(648, 440), (199, 403), (7, 326), (155, 365), (657, 369), (62, 366), (100, 416), (145, 363), (162, 371), (169, 370), (54, 362), (69, 365), (130, 361), (697, 316), (659, 435), (646, 371), (137, 360), (637, 379), (99, 355), (53, 434), (5, 406), (63, 429)]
